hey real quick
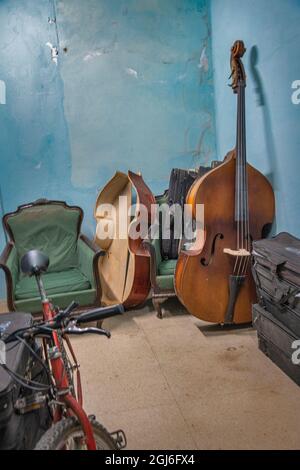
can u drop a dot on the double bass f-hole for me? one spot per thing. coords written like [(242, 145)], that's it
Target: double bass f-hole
[(205, 262)]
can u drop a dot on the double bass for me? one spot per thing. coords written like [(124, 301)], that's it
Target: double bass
[(213, 279)]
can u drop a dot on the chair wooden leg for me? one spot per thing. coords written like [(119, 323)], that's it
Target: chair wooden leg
[(157, 307)]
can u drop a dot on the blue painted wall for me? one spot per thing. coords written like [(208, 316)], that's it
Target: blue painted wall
[(138, 87), (270, 30), (34, 141), (133, 89), (35, 149)]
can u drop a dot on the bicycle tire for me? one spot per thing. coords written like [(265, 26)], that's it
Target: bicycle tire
[(57, 436)]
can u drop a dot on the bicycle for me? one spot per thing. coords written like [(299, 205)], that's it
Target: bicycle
[(71, 428)]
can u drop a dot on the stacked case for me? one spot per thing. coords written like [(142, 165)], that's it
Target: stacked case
[(276, 317)]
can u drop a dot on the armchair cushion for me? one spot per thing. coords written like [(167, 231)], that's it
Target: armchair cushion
[(33, 305), (165, 282), (167, 267), (71, 280)]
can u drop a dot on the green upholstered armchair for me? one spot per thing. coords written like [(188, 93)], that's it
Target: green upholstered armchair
[(161, 270), (54, 228)]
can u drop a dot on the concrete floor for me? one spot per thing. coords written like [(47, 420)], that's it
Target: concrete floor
[(179, 383)]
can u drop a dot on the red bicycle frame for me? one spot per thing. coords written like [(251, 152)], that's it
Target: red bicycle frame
[(74, 406)]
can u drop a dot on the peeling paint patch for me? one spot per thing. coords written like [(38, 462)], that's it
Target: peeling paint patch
[(131, 72), (203, 63), (2, 92), (54, 52), (92, 55), (181, 77), (101, 51)]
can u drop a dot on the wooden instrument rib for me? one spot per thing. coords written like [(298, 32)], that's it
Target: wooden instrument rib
[(125, 267)]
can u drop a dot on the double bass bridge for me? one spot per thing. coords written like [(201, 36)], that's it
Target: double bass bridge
[(237, 253)]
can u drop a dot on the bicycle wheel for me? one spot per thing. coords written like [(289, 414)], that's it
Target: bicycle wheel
[(67, 434)]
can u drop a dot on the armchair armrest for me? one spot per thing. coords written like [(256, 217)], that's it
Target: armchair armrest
[(88, 256), (152, 250), (95, 248), (10, 266)]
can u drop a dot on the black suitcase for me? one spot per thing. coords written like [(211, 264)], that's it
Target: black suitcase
[(277, 342), (179, 185), (276, 270), (19, 429)]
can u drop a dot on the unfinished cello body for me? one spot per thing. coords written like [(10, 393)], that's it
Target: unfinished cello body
[(124, 268), (213, 280)]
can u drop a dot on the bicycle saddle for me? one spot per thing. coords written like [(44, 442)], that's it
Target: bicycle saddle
[(34, 262)]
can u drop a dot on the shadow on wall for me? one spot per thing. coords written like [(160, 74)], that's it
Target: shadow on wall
[(262, 102)]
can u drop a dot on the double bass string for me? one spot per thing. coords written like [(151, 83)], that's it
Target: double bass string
[(240, 164), (244, 179), (247, 225), (246, 196), (237, 182), (241, 195), (243, 186), (237, 199), (244, 169), (248, 222)]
